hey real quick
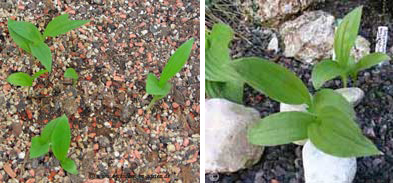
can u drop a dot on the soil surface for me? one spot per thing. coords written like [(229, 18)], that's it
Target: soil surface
[(283, 164), (113, 138)]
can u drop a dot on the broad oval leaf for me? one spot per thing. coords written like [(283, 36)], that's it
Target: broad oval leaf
[(71, 73), (42, 52), (327, 97), (61, 24), (281, 128), (20, 79), (338, 135), (272, 79), (20, 41), (153, 87), (26, 30), (39, 73), (38, 147), (69, 166), (325, 71), (46, 133), (346, 34), (176, 62), (61, 138), (371, 60)]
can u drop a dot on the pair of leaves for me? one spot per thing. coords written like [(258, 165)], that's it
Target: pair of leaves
[(345, 65), (221, 80), (161, 87), (23, 79), (57, 135), (328, 122), (28, 37)]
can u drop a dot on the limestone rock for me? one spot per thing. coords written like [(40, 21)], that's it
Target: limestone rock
[(320, 167), (227, 147)]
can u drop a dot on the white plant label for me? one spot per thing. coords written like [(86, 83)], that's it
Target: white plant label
[(382, 39)]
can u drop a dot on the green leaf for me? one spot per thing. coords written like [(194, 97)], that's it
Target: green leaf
[(38, 147), (232, 91), (272, 79), (46, 133), (71, 73), (153, 87), (213, 89), (42, 52), (327, 97), (69, 166), (20, 79), (346, 34), (26, 30), (38, 74), (281, 128), (371, 60), (176, 62), (338, 135), (325, 71), (61, 24), (20, 41), (61, 138)]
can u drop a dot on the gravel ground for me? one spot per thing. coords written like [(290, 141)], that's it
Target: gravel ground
[(112, 135), (283, 164)]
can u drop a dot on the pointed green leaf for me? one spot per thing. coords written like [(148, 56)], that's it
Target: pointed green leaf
[(20, 79), (46, 133), (61, 24), (38, 147), (69, 166), (232, 91), (26, 30), (328, 97), (176, 62), (42, 52), (213, 89), (281, 128), (61, 138), (38, 74), (273, 80), (20, 41), (346, 34), (338, 135), (153, 87), (325, 71), (371, 60)]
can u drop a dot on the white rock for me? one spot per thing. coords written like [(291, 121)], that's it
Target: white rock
[(274, 11), (309, 37), (353, 95), (227, 147), (21, 155), (273, 44), (361, 48), (320, 167)]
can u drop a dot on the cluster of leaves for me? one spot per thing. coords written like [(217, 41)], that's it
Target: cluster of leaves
[(328, 122), (221, 80), (159, 88), (57, 136), (29, 38), (345, 65)]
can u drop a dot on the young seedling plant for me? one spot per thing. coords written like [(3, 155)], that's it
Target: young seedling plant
[(23, 79), (28, 37), (221, 80), (56, 136), (71, 73), (159, 88), (328, 122), (345, 65)]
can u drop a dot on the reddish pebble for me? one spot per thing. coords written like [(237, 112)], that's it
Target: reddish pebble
[(7, 168), (140, 112), (186, 142), (32, 173), (132, 36), (95, 147), (31, 180), (29, 114), (274, 181), (175, 105), (188, 103), (165, 105)]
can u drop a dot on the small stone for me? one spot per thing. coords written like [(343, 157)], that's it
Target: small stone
[(320, 167), (144, 32), (117, 154), (353, 95), (273, 44), (21, 155), (171, 148)]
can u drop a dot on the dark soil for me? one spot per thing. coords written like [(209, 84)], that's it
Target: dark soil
[(374, 114)]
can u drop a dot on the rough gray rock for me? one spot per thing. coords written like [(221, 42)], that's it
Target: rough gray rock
[(274, 11), (227, 147), (361, 48), (309, 37), (320, 167)]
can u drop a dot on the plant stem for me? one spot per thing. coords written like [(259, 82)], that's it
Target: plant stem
[(152, 102), (344, 80)]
